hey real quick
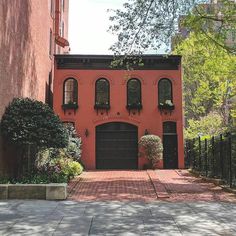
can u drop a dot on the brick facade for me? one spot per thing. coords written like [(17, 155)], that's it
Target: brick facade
[(86, 70)]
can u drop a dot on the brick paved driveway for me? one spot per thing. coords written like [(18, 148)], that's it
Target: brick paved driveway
[(167, 185)]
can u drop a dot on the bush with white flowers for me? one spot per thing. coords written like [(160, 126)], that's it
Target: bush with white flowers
[(152, 147)]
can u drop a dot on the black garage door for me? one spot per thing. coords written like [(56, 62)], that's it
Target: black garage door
[(116, 146)]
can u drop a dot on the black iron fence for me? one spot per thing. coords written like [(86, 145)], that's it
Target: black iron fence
[(213, 157)]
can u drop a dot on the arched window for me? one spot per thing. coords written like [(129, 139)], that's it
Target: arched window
[(102, 93), (134, 99), (70, 91), (165, 92)]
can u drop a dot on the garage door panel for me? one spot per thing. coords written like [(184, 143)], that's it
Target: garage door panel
[(111, 164), (116, 146), (116, 135), (112, 154)]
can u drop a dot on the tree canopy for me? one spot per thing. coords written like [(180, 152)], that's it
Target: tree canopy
[(209, 78), (146, 24)]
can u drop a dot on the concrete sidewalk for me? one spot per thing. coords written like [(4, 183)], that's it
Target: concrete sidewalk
[(162, 202), (116, 218)]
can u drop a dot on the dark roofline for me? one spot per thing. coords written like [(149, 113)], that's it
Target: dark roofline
[(103, 62)]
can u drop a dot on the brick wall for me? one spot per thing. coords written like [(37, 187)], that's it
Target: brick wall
[(24, 50)]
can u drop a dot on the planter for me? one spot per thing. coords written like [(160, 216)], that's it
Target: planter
[(3, 191), (52, 191), (70, 106), (134, 106), (166, 107), (102, 106)]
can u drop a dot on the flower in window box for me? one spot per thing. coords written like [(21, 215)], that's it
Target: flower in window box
[(168, 105)]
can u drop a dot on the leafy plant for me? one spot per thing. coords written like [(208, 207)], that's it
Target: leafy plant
[(60, 169), (29, 124), (142, 26), (207, 86), (210, 125), (153, 148)]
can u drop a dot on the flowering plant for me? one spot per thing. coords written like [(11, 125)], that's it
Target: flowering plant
[(152, 147)]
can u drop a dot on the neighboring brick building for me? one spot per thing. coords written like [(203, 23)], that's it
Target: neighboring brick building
[(31, 31), (112, 108)]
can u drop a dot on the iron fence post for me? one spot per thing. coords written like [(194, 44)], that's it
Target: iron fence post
[(221, 156), (206, 161), (192, 149), (230, 159), (199, 151), (213, 156)]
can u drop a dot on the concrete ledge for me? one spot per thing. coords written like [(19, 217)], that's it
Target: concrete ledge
[(214, 181), (228, 189), (208, 179), (52, 191), (56, 192), (26, 191), (3, 191), (218, 182)]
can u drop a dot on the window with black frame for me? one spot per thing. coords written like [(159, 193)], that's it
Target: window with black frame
[(102, 94), (134, 100), (165, 97), (70, 93)]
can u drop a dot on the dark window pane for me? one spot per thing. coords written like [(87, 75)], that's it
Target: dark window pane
[(164, 91), (134, 92), (70, 91), (169, 127), (102, 92)]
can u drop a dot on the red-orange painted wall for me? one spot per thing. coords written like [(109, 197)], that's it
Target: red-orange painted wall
[(150, 117)]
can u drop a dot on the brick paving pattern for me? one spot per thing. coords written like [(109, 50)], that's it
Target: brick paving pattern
[(164, 185), (112, 185), (182, 186)]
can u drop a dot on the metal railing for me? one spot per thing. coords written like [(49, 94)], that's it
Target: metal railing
[(213, 157)]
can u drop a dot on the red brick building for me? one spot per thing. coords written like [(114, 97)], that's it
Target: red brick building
[(31, 31), (112, 108)]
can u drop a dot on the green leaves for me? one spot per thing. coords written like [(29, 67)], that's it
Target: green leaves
[(208, 76), (145, 24), (30, 122), (211, 124)]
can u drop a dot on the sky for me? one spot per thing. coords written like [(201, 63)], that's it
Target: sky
[(88, 25)]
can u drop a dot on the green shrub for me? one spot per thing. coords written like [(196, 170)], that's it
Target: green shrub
[(29, 125), (30, 122), (72, 150), (68, 167), (209, 125), (153, 148)]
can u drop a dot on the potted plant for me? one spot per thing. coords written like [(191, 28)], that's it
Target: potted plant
[(167, 105)]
